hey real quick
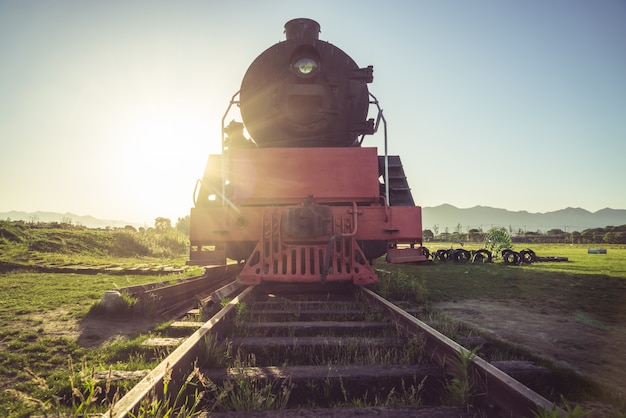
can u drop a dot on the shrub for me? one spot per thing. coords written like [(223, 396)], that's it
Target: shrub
[(11, 232), (128, 244)]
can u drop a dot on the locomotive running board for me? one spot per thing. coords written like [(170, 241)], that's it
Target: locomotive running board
[(405, 255)]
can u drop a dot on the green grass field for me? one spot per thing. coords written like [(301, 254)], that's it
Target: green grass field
[(612, 264), (37, 366), (42, 345), (593, 283)]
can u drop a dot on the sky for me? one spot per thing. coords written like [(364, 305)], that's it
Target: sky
[(111, 108)]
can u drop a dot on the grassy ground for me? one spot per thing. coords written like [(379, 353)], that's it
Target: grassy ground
[(39, 362), (588, 289), (591, 281), (38, 368), (612, 264)]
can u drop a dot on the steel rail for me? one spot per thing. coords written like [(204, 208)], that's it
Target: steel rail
[(176, 364), (176, 298), (497, 391)]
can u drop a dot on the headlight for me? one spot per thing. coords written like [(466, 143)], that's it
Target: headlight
[(306, 67)]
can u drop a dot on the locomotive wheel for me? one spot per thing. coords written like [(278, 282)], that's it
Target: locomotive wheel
[(527, 256), (510, 257), (436, 255), (461, 256), (442, 255), (445, 255), (482, 256)]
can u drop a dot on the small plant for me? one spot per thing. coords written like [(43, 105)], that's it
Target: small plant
[(33, 401), (85, 395), (408, 396), (496, 240), (128, 306), (414, 349), (374, 315), (398, 285), (346, 396), (571, 411), (460, 388), (242, 313), (184, 405), (246, 392), (216, 353)]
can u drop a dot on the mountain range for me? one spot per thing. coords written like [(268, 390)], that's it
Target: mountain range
[(484, 217), (444, 216), (84, 220)]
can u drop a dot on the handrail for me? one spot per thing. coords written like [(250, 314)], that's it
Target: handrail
[(230, 104), (380, 118), (194, 197), (354, 221), (223, 160)]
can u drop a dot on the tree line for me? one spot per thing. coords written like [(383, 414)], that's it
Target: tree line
[(606, 235), (161, 240)]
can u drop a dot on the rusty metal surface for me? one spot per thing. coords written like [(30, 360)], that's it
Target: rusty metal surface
[(290, 175)]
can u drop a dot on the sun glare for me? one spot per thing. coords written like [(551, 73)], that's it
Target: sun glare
[(158, 154)]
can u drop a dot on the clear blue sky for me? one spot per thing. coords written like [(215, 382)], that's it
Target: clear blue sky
[(110, 108)]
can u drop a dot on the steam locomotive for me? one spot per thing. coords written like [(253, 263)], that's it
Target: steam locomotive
[(299, 199)]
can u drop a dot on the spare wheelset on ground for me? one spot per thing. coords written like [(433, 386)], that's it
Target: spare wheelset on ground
[(508, 255)]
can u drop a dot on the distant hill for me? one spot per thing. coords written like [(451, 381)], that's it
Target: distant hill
[(84, 220), (568, 219)]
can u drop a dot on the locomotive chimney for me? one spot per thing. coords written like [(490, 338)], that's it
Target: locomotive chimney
[(302, 29)]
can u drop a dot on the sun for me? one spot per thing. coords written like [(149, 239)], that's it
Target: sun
[(159, 152)]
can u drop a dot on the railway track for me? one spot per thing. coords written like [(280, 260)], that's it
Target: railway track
[(171, 299), (331, 350)]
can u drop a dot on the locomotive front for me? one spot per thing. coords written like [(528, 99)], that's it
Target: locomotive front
[(301, 200)]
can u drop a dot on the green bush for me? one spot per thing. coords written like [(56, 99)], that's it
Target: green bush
[(164, 241), (11, 232), (128, 244), (48, 245)]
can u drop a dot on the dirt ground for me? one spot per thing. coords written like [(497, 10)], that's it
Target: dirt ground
[(92, 332), (576, 342)]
